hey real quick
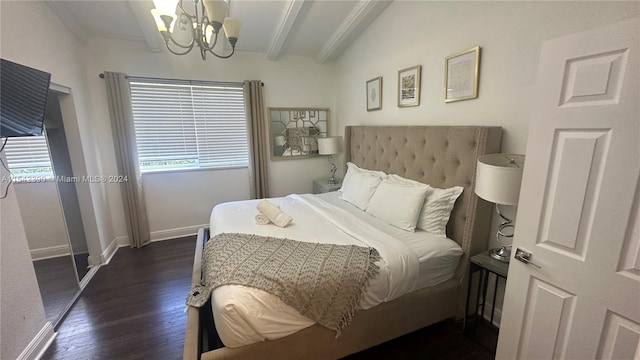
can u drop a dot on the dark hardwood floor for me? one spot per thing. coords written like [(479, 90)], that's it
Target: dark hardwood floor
[(58, 284), (133, 309), (442, 341)]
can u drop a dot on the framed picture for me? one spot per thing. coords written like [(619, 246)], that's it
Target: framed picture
[(461, 75), (374, 94), (409, 86)]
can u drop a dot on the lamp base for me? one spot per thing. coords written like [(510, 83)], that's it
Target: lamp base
[(501, 254), (333, 181)]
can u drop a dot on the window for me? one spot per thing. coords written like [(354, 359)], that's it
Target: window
[(28, 158), (189, 125)]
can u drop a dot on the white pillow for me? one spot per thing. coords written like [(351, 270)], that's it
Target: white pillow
[(359, 188), (397, 204), (437, 209), (353, 168), (400, 180)]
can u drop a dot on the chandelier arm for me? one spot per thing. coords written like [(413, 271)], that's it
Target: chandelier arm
[(190, 46), (233, 50), (188, 49), (169, 36), (215, 41), (184, 12), (203, 54), (198, 33)]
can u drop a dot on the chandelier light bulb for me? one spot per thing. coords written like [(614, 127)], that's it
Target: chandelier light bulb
[(208, 34)]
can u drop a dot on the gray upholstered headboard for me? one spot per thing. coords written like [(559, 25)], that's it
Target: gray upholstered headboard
[(441, 156)]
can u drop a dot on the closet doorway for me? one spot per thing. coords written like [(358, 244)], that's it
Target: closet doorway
[(47, 196)]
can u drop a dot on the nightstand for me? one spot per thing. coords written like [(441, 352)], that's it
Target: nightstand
[(321, 186), (476, 318)]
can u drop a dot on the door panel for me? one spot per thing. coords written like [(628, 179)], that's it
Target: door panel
[(621, 338), (594, 79), (576, 211), (549, 312), (575, 171), (630, 260)]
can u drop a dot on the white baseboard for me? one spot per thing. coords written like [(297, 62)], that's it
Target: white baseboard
[(175, 233), (94, 261), (88, 276), (39, 344), (110, 251), (79, 248), (168, 234), (50, 252), (121, 241)]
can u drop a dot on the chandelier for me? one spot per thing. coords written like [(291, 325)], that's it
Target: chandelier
[(204, 26)]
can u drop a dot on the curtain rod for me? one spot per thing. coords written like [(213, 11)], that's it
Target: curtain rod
[(101, 76)]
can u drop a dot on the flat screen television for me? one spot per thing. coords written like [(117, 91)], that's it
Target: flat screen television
[(23, 98)]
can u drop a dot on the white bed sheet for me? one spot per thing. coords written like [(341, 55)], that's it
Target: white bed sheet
[(246, 315), (438, 256)]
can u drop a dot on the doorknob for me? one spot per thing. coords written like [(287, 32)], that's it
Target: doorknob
[(525, 257)]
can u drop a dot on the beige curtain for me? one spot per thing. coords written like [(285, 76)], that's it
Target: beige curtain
[(124, 140), (256, 125)]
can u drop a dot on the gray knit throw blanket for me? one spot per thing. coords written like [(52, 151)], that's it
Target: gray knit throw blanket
[(324, 282)]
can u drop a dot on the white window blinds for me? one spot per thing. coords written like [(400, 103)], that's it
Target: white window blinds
[(189, 125), (28, 157)]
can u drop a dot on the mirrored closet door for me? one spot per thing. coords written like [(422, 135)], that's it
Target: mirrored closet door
[(50, 211)]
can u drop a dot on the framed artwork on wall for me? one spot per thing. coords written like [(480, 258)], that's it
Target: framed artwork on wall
[(374, 94), (461, 75), (409, 86)]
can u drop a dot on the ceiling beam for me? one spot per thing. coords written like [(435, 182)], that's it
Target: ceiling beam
[(358, 19), (141, 10), (59, 8), (289, 16)]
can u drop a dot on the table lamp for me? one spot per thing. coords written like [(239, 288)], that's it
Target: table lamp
[(330, 146), (498, 178)]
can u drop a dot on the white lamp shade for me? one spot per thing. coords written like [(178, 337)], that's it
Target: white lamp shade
[(157, 16), (216, 10), (231, 27), (498, 178), (329, 145)]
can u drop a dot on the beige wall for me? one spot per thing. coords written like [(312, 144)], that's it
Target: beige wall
[(50, 47), (42, 215), (57, 51), (184, 200), (423, 33)]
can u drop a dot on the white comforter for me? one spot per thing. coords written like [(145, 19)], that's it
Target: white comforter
[(246, 315)]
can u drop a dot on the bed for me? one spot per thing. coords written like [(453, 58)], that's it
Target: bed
[(442, 156)]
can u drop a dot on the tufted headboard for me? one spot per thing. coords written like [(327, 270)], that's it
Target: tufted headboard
[(441, 156)]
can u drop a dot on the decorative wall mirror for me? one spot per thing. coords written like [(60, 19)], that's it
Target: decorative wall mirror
[(294, 132)]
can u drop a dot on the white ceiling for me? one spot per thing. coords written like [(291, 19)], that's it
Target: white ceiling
[(319, 29)]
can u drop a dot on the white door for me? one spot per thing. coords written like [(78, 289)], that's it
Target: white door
[(578, 210)]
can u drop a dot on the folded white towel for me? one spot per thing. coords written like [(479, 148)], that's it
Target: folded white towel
[(274, 213), (262, 219)]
